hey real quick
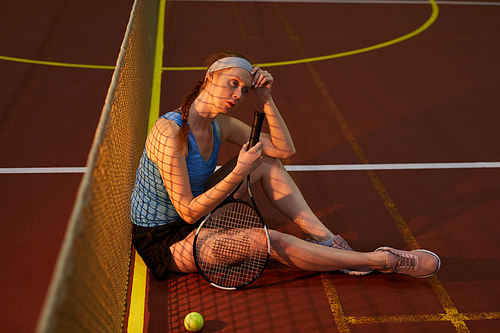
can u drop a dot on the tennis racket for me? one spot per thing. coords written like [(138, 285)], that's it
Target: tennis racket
[(231, 246)]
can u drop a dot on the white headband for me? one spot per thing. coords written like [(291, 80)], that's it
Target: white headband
[(229, 62)]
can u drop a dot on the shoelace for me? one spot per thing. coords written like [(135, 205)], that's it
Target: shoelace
[(404, 262)]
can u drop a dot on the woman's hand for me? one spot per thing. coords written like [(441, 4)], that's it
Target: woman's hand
[(262, 83), (248, 160)]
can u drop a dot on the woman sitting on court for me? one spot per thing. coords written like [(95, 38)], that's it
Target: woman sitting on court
[(172, 195)]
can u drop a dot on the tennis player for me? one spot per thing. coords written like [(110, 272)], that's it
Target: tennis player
[(176, 185)]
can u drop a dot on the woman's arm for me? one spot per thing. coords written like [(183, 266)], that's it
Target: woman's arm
[(279, 136), (278, 143), (162, 149)]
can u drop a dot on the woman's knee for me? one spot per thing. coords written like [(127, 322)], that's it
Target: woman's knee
[(270, 167), (272, 162)]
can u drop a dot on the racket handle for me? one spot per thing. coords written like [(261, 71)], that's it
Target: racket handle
[(258, 119)]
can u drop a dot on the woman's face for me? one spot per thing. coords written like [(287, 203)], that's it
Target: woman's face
[(229, 88)]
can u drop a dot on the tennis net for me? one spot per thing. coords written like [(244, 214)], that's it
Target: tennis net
[(89, 287)]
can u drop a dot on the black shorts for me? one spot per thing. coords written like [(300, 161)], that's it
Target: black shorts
[(153, 244)]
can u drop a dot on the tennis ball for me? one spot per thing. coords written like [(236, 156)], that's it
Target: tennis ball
[(193, 322)]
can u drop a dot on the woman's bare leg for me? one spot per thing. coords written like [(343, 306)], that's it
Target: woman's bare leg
[(299, 254), (291, 251), (303, 255), (286, 197), (182, 256)]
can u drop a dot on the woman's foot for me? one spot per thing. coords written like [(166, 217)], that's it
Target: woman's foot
[(417, 263)]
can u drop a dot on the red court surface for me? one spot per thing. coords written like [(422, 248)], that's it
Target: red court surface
[(431, 98)]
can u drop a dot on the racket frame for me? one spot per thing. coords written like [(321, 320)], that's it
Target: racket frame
[(254, 138)]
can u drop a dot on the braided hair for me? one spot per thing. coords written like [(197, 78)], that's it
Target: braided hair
[(189, 99)]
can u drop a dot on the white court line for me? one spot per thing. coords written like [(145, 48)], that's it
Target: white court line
[(397, 166), (327, 167), (41, 170), (411, 2)]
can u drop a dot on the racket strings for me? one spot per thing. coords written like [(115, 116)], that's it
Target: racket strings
[(234, 249), (231, 251)]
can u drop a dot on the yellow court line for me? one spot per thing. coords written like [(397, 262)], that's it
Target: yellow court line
[(421, 318), (139, 278), (343, 321), (154, 111), (137, 296), (333, 299), (54, 63)]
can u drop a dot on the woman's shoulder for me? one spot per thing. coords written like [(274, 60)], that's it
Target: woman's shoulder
[(163, 136), (170, 121), (174, 115), (165, 127)]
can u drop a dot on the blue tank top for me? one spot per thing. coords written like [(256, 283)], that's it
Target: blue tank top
[(151, 205)]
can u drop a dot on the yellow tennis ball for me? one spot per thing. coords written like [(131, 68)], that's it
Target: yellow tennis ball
[(193, 322)]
